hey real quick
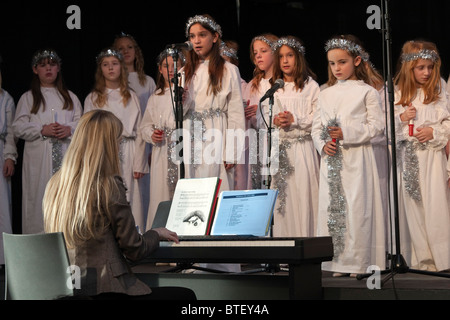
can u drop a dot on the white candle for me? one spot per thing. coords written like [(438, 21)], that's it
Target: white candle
[(183, 77), (53, 115)]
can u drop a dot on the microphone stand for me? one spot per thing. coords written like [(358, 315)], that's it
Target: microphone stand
[(268, 181), (178, 93), (398, 263), (269, 268)]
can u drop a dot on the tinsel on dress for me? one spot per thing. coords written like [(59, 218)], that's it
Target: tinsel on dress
[(57, 155), (337, 209), (198, 118), (172, 168), (285, 169), (411, 169)]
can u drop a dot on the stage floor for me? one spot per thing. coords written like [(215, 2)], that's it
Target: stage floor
[(401, 286)]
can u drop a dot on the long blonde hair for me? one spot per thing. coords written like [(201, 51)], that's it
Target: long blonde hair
[(405, 80), (77, 197)]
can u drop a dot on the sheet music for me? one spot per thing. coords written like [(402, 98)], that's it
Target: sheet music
[(191, 206)]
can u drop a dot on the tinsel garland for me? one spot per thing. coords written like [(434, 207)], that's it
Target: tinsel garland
[(172, 168), (411, 170), (121, 145), (285, 170), (337, 209), (195, 117), (57, 155)]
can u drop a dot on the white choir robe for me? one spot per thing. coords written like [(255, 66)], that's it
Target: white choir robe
[(425, 243), (256, 155), (300, 188), (132, 158), (160, 115), (143, 92), (8, 150), (225, 112), (356, 105), (382, 152), (37, 166)]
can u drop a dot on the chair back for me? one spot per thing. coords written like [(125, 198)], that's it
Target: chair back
[(37, 267)]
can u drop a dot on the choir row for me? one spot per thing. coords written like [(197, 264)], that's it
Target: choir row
[(330, 141)]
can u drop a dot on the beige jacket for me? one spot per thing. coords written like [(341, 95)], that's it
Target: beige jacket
[(102, 262)]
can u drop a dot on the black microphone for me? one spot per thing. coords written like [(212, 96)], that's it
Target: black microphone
[(279, 83), (185, 45)]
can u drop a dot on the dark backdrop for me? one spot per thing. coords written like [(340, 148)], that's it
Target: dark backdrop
[(26, 27)]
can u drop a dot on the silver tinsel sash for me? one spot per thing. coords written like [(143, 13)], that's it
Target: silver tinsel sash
[(411, 168), (121, 146), (172, 168), (200, 118), (337, 209), (285, 169), (57, 155)]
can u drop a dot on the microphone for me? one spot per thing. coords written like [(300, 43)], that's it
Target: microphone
[(185, 45), (411, 127), (279, 83)]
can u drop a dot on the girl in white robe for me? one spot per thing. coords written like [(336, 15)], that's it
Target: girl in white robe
[(46, 118), (347, 118), (8, 157), (111, 93), (261, 54), (144, 86), (217, 117), (157, 127), (217, 109), (420, 101), (297, 179)]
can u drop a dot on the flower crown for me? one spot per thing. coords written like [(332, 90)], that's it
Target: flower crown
[(45, 54), (109, 53), (422, 54), (203, 20), (289, 42), (347, 45)]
